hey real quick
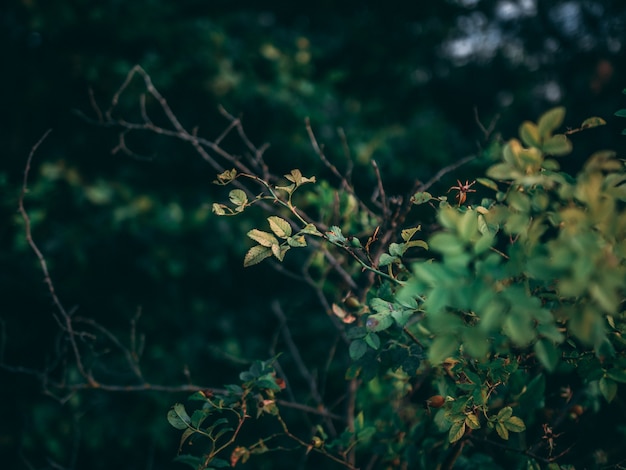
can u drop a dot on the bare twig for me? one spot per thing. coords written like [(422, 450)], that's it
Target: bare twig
[(444, 171)]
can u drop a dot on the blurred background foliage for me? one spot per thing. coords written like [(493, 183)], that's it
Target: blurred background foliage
[(124, 235)]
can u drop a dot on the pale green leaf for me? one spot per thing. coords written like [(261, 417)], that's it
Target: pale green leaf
[(471, 421), (311, 229), (296, 241), (386, 260), (456, 431), (592, 122), (262, 238), (417, 243), (557, 145), (218, 209), (550, 121), (421, 198), (408, 233), (503, 171), (442, 348), (238, 197), (505, 413), (279, 226), (515, 424), (488, 183), (529, 133), (256, 254), (502, 431)]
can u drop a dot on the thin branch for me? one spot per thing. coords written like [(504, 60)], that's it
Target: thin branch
[(444, 171)]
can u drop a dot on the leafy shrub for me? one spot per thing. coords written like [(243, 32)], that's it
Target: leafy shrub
[(496, 342)]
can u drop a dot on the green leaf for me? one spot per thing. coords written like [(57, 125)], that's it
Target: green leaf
[(529, 133), (471, 421), (621, 113), (397, 249), (356, 332), (515, 424), (446, 243), (456, 431), (357, 349), (218, 209), (442, 348), (386, 260), (417, 243), (547, 354), (279, 226), (550, 121), (502, 431), (379, 322), (178, 417), (297, 241), (488, 183), (505, 413), (408, 233), (503, 171), (421, 198), (262, 238), (592, 122), (226, 177), (557, 145), (295, 176), (311, 229), (468, 225), (256, 254), (608, 388), (335, 236), (373, 340), (238, 197), (618, 375)]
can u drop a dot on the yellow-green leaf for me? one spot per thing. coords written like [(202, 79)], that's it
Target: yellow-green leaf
[(502, 431), (505, 413), (310, 229), (256, 254), (238, 197), (592, 122), (279, 251), (408, 233), (296, 241), (263, 238), (218, 209), (456, 431), (557, 145), (515, 424), (471, 421), (529, 133), (550, 121), (279, 226), (488, 183)]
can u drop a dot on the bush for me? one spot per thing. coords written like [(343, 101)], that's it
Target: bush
[(492, 340)]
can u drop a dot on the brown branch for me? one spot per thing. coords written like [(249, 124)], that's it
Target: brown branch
[(444, 171)]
